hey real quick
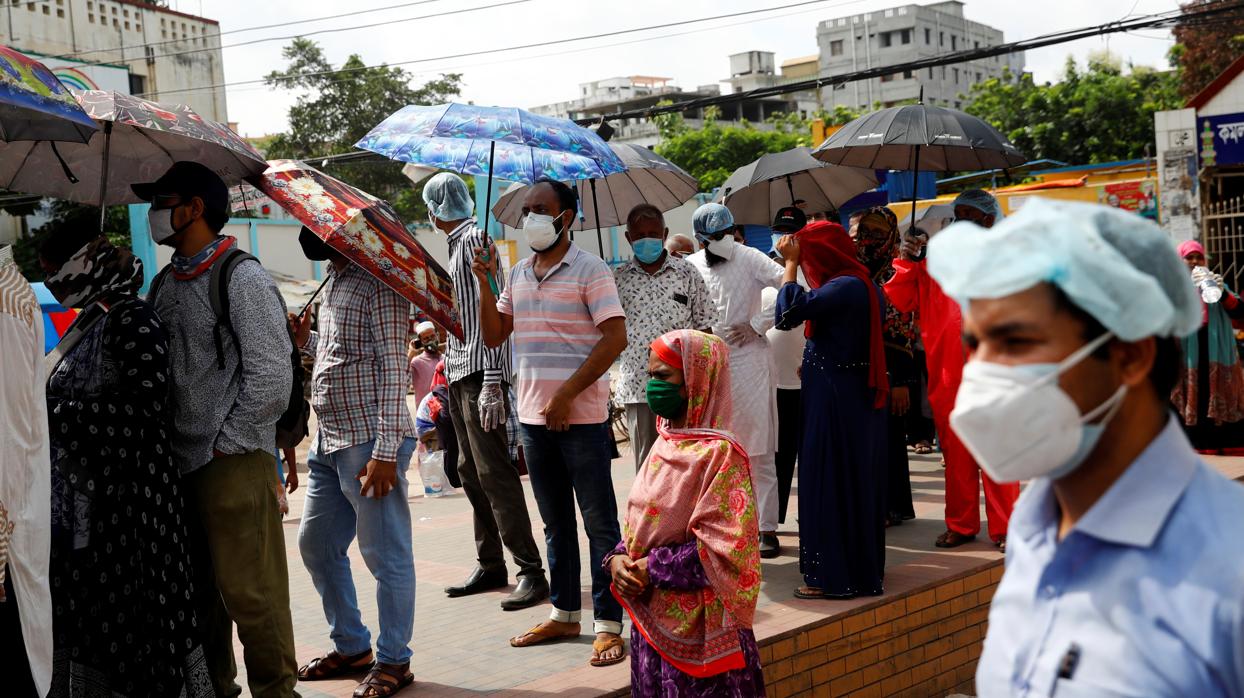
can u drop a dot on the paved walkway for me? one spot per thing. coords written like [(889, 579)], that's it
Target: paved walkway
[(460, 645)]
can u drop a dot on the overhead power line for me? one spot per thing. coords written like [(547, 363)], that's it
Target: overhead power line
[(333, 30), (1148, 21), (538, 44), (1164, 19), (290, 23)]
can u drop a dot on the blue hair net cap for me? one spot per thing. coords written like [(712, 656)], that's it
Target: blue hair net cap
[(711, 218), (447, 197), (1116, 266), (982, 201)]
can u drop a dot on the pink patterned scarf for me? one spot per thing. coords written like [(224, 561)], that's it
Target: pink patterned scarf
[(696, 485)]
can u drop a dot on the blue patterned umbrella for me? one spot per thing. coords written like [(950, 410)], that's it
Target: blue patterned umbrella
[(465, 138)]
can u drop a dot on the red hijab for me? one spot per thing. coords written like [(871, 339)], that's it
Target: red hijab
[(826, 252)]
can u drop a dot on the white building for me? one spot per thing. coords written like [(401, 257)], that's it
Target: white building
[(90, 43), (126, 46), (901, 35)]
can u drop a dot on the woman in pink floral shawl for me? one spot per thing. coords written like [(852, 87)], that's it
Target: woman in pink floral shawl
[(688, 568)]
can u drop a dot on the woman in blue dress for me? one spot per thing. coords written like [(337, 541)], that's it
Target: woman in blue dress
[(842, 502)]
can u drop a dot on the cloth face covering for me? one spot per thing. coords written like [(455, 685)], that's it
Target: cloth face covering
[(665, 398), (98, 268)]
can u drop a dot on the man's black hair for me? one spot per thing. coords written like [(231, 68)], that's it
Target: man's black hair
[(56, 249), (644, 212), (215, 218), (1166, 361), (567, 197)]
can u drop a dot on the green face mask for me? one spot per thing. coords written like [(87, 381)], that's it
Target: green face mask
[(666, 399)]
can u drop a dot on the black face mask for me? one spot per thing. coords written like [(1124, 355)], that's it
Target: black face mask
[(313, 248)]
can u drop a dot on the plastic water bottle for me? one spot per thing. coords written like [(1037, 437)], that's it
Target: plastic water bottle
[(1211, 292)]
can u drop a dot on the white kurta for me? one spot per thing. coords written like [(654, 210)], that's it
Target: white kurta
[(25, 466), (735, 287)]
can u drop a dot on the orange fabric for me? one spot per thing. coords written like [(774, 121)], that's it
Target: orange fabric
[(696, 485), (941, 330)]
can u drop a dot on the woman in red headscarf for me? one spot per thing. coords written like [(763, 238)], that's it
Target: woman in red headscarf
[(688, 568), (842, 502)]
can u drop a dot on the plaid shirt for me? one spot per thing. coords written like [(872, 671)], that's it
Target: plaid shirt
[(358, 388)]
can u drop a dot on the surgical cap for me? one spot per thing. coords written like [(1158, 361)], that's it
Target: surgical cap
[(1116, 266), (711, 218), (980, 200), (447, 197)]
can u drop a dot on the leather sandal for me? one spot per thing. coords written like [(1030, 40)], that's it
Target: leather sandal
[(599, 647), (952, 539), (384, 680), (540, 634), (334, 665)]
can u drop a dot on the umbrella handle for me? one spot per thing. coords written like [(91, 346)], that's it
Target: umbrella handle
[(103, 180), (492, 282)]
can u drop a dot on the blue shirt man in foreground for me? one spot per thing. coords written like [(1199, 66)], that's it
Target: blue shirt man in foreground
[(1125, 565)]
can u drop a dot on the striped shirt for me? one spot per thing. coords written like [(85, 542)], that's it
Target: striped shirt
[(555, 329), (358, 387), (469, 356)]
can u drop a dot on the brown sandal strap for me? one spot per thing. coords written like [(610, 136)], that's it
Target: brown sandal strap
[(332, 665), (384, 680), (599, 647)]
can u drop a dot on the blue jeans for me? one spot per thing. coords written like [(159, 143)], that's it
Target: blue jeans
[(565, 466), (333, 513)]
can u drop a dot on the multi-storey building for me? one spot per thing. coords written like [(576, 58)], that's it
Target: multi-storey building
[(900, 35), (143, 48)]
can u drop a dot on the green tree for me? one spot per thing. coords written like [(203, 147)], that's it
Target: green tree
[(336, 109), (1205, 46), (64, 216), (713, 152), (1101, 113)]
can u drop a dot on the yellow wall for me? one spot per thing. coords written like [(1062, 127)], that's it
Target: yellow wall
[(1012, 200)]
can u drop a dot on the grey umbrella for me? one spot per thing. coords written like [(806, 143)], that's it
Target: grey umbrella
[(756, 191), (648, 178)]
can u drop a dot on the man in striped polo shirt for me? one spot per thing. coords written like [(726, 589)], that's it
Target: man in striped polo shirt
[(568, 325), (479, 379)]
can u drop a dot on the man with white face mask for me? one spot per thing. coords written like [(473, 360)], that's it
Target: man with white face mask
[(735, 275), (568, 327), (228, 389), (1124, 563)]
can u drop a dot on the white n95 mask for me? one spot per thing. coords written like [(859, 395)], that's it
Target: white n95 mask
[(1019, 424), (723, 248), (541, 231), (160, 223)]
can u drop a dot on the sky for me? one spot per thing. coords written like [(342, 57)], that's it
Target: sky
[(694, 54)]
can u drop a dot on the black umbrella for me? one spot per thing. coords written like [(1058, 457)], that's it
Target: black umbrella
[(756, 191), (920, 137)]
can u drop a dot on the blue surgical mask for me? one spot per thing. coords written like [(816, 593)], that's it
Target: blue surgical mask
[(776, 237), (647, 250)]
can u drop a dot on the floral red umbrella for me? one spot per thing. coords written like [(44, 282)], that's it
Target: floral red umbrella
[(367, 231)]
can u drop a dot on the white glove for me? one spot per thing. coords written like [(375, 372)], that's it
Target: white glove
[(1200, 274), (740, 334), (491, 406)]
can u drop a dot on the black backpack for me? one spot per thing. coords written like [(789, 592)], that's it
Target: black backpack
[(291, 428)]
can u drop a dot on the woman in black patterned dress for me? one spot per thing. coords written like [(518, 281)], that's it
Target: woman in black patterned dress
[(123, 619)]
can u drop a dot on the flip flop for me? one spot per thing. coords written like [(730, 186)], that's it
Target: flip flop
[(815, 594), (600, 646), (541, 634)]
